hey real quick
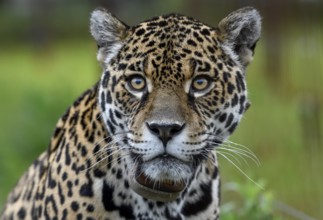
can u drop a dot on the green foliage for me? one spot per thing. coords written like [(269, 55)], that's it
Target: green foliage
[(253, 203)]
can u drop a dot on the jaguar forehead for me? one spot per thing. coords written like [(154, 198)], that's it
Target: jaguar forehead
[(172, 76), (150, 36)]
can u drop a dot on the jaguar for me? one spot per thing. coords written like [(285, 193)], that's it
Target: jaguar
[(142, 142)]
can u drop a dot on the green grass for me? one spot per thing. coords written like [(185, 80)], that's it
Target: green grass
[(37, 85)]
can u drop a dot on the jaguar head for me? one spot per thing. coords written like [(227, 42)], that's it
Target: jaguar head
[(172, 90)]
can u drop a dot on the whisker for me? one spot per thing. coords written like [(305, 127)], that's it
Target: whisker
[(112, 151), (116, 159), (247, 153), (240, 153), (238, 168), (232, 153), (97, 162), (100, 116), (112, 138), (239, 146), (113, 141), (107, 145), (211, 158), (242, 150)]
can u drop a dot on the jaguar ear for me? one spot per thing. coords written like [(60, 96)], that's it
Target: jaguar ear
[(240, 31), (109, 33)]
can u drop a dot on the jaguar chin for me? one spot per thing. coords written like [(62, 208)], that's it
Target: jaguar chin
[(161, 178)]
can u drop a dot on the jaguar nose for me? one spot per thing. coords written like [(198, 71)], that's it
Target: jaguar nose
[(165, 132)]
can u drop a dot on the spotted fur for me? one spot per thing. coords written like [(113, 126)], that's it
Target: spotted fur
[(141, 144)]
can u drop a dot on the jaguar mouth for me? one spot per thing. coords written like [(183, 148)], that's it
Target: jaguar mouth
[(163, 183), (166, 185)]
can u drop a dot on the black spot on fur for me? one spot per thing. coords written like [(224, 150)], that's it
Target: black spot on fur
[(67, 155), (230, 88), (111, 127), (202, 203), (220, 66), (75, 206), (234, 101), (117, 114), (70, 188), (226, 76), (197, 36), (119, 174), (64, 176), (111, 115), (64, 214), (140, 32), (223, 117), (79, 216), (126, 184), (211, 49), (125, 211), (98, 173), (90, 208), (108, 98), (229, 121), (50, 204), (86, 190), (96, 149), (162, 23), (233, 127), (242, 104), (122, 66), (83, 151), (22, 213), (103, 101), (105, 80), (51, 183), (205, 32), (60, 194), (114, 83), (57, 131), (187, 51), (240, 82), (107, 198), (191, 42)]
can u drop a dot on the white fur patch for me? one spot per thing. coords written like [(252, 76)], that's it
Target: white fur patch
[(114, 50), (227, 49)]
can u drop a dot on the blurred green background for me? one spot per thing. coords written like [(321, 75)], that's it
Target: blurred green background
[(47, 59)]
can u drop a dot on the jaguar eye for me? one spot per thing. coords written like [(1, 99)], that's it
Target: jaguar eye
[(201, 83), (137, 83)]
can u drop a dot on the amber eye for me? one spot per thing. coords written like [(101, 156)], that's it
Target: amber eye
[(201, 83), (137, 83)]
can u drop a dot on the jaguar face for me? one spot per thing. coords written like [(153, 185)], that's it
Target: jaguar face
[(172, 90)]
